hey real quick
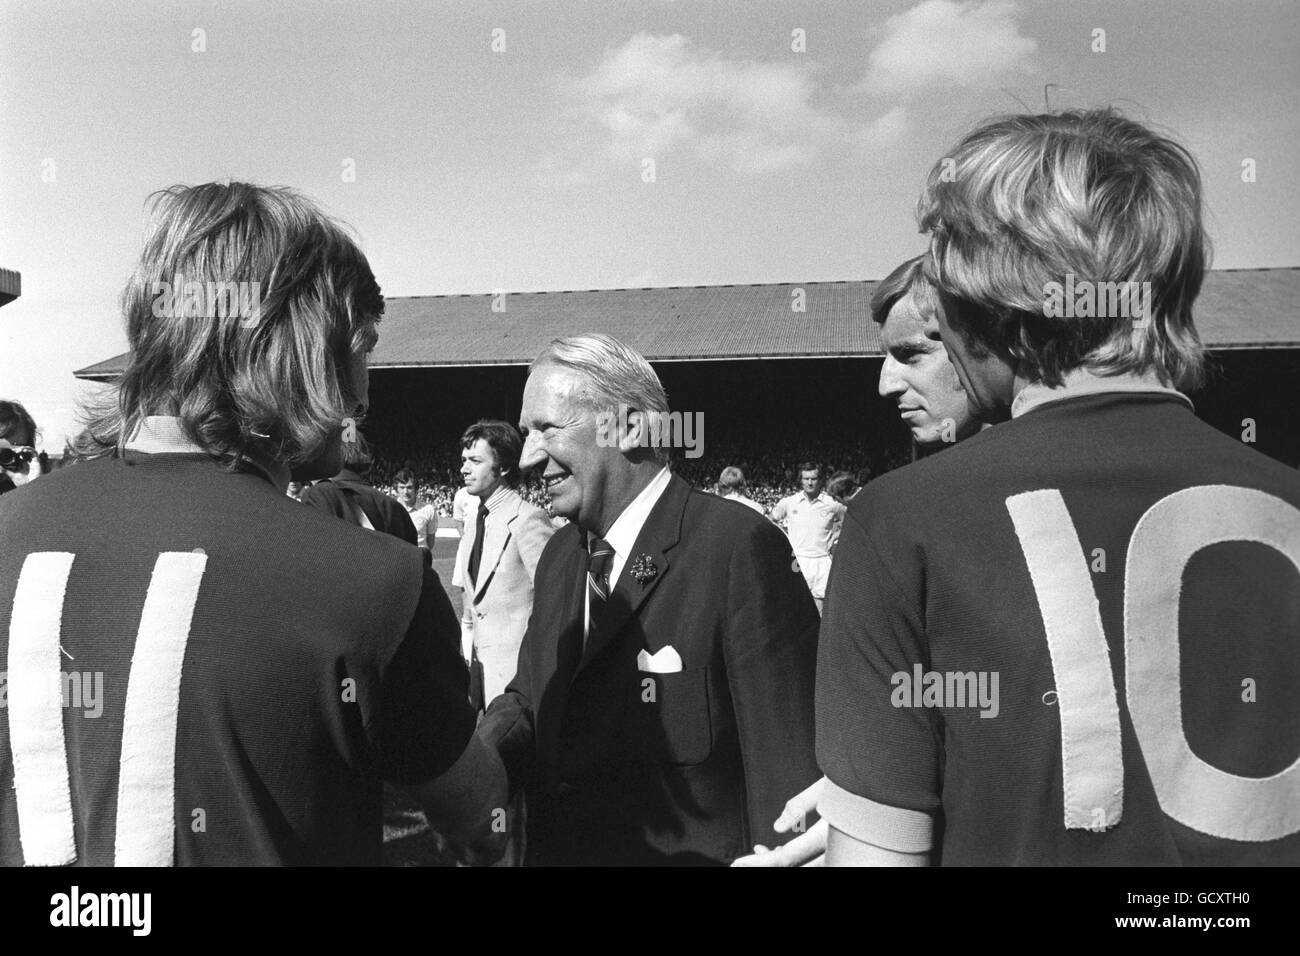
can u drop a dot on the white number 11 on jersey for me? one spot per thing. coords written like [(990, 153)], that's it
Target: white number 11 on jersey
[(146, 793)]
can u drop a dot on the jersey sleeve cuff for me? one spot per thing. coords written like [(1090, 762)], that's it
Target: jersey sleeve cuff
[(891, 828)]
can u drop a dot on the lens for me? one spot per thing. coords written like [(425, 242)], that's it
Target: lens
[(11, 457)]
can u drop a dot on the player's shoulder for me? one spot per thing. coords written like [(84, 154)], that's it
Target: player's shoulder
[(90, 487), (1229, 461), (344, 561), (386, 502), (256, 537), (320, 491), (912, 494), (903, 482)]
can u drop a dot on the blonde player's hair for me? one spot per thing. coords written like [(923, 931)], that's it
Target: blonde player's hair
[(1023, 202), (732, 480), (277, 382)]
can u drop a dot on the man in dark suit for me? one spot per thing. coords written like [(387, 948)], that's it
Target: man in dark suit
[(662, 708), (350, 495)]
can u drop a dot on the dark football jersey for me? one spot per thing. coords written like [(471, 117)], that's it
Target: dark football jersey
[(1074, 639), (347, 491), (199, 670)]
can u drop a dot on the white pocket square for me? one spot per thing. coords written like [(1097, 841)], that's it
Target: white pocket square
[(665, 661)]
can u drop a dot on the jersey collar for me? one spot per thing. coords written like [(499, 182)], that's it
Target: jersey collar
[(163, 435), (1079, 382)]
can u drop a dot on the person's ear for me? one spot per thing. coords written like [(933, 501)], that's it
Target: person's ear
[(634, 436)]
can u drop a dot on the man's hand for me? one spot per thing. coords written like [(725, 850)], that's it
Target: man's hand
[(466, 806), (808, 848)]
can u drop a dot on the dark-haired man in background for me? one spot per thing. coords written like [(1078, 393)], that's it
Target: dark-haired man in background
[(812, 519), (350, 495), (505, 538)]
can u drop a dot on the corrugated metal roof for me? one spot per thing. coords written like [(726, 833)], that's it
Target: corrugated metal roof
[(686, 323), (1249, 308), (11, 286), (1246, 308)]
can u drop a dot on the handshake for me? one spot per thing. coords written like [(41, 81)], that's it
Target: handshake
[(808, 848)]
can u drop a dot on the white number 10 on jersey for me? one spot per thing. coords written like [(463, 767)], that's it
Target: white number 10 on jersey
[(1190, 790)]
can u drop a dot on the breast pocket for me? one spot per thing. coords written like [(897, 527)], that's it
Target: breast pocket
[(673, 716)]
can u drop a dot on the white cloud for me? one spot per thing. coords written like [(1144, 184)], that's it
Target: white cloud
[(883, 130), (656, 94), (949, 43)]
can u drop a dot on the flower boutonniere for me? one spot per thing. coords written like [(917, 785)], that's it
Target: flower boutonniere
[(644, 570)]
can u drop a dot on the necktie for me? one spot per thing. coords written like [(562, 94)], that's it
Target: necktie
[(600, 560), (476, 552)]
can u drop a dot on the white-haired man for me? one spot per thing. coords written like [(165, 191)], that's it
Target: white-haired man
[(661, 713)]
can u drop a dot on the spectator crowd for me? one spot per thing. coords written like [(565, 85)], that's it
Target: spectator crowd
[(770, 466)]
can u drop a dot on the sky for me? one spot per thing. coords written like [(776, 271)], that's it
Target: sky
[(526, 146)]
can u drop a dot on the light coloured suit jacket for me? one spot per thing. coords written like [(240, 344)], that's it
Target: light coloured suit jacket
[(499, 603)]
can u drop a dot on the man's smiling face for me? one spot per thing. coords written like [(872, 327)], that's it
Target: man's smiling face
[(583, 476)]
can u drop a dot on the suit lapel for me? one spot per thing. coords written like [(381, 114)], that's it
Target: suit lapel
[(570, 624), (494, 544), (659, 534)]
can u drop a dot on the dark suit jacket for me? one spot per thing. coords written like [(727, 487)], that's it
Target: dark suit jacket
[(385, 513), (631, 768)]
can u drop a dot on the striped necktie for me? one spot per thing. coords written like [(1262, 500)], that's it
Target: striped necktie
[(600, 560)]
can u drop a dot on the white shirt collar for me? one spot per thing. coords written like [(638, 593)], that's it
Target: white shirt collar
[(627, 527), (799, 496), (162, 434), (1082, 381), (623, 532), (498, 497)]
